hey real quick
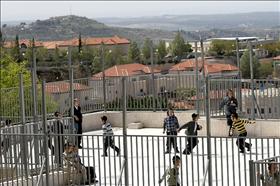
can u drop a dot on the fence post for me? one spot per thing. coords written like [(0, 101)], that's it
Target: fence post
[(103, 76), (239, 84), (153, 76), (207, 110), (252, 173), (125, 132), (197, 79), (24, 150), (46, 136), (252, 82), (34, 100), (71, 79)]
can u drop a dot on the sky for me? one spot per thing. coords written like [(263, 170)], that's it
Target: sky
[(33, 10)]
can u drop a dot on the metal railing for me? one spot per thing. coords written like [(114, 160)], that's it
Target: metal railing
[(146, 160), (257, 99), (265, 171)]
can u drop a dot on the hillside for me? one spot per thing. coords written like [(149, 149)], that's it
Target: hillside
[(65, 27), (260, 20), (162, 27)]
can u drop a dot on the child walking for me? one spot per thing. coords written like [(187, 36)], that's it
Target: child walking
[(172, 173)]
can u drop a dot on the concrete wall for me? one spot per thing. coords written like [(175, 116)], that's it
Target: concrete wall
[(262, 128)]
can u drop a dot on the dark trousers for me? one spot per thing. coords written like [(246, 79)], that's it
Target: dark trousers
[(109, 142), (79, 130), (58, 149), (240, 142), (91, 176), (171, 140), (229, 122), (192, 143)]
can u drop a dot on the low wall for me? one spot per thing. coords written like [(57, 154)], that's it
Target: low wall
[(262, 128)]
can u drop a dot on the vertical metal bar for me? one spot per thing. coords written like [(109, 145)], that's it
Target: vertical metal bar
[(103, 76), (132, 168), (197, 79), (153, 153), (207, 107), (252, 81), (222, 166), (34, 100), (71, 74), (125, 132), (137, 162), (44, 113), (252, 173), (153, 75), (227, 167), (148, 163), (202, 57), (23, 145)]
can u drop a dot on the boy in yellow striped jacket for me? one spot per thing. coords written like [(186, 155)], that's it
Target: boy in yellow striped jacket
[(239, 124)]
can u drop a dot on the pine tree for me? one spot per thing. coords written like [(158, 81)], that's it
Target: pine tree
[(15, 52), (133, 53), (161, 50), (146, 49), (245, 65), (80, 43)]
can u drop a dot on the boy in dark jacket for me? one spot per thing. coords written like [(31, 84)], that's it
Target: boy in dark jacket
[(230, 104), (191, 129)]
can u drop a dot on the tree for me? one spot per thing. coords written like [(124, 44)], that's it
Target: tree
[(9, 72), (161, 50), (146, 49), (222, 48), (245, 65), (133, 53), (15, 52), (272, 48), (179, 47), (266, 69), (9, 92), (1, 40), (80, 43)]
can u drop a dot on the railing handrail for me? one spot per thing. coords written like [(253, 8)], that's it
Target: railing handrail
[(205, 174)]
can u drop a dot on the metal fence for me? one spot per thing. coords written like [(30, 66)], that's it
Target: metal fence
[(146, 161), (265, 172), (257, 99), (22, 154), (260, 99)]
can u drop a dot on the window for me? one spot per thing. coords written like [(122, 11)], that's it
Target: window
[(262, 110), (269, 110)]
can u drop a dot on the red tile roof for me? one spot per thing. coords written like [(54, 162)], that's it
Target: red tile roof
[(126, 70), (61, 87), (73, 42), (189, 65)]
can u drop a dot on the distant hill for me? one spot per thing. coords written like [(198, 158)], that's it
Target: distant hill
[(65, 27), (199, 22), (161, 27)]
